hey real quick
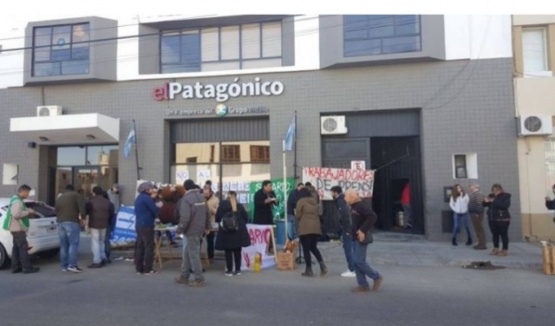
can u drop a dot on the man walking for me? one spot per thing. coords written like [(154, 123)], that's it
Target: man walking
[(17, 222), (99, 211), (476, 210), (114, 197), (194, 222), (346, 229), (70, 212)]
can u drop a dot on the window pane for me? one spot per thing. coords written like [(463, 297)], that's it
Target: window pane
[(381, 26), (229, 43), (61, 53), (75, 67), (365, 47), (42, 54), (61, 37), (170, 49), (407, 25), (171, 68), (231, 153), (534, 50), (202, 152), (261, 63), (209, 41), (81, 33), (356, 27), (401, 44), (102, 155), (71, 156), (271, 40), (47, 69), (190, 49), (250, 41), (43, 36), (80, 52)]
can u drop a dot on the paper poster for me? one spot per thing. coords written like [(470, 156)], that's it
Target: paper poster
[(125, 226), (260, 241), (203, 174)]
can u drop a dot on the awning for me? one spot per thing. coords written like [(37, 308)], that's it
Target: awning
[(74, 129)]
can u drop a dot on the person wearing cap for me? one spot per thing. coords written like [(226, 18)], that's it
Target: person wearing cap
[(476, 210), (346, 226), (145, 214)]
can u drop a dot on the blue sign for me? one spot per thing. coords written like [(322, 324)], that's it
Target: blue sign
[(125, 226)]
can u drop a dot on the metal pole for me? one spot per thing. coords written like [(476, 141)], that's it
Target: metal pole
[(136, 152), (295, 175), (284, 188)]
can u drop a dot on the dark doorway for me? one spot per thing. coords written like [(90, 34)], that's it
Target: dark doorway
[(397, 161)]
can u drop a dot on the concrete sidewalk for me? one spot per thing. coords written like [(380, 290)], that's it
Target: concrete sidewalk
[(410, 250)]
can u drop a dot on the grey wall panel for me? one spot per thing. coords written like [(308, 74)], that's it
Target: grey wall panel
[(194, 131), (383, 124)]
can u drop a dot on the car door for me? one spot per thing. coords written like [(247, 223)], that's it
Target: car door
[(5, 236), (43, 223)]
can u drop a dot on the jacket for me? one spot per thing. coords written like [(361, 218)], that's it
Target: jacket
[(168, 213), (306, 215), (363, 217), (100, 211), (550, 204), (460, 204), (405, 195), (292, 202), (232, 240), (212, 203), (263, 213), (475, 201), (19, 211), (69, 206), (145, 211), (316, 197), (193, 214), (344, 214), (498, 209)]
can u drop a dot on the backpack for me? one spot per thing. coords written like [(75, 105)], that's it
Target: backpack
[(230, 222)]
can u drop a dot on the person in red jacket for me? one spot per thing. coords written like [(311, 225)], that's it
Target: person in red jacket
[(405, 202)]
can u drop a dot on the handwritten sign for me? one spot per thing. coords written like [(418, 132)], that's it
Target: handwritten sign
[(358, 165), (277, 186), (260, 242), (324, 178)]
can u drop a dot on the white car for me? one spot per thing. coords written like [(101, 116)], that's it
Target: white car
[(42, 235)]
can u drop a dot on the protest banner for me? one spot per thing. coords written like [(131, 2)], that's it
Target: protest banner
[(124, 233), (277, 186), (324, 178), (260, 243)]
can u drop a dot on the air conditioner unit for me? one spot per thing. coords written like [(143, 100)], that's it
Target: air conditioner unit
[(535, 125), (49, 111), (333, 125)]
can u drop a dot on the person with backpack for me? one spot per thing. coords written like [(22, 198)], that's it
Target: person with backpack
[(232, 233)]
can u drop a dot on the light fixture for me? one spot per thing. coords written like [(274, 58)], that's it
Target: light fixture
[(91, 137), (42, 138)]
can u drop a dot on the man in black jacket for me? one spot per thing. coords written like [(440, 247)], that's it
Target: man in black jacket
[(291, 205), (346, 226), (264, 201)]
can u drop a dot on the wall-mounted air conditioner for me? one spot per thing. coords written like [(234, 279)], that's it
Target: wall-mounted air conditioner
[(49, 111), (333, 125), (535, 125)]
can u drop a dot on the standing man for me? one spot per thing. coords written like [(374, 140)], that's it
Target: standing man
[(212, 202), (194, 222), (70, 212), (291, 205), (114, 197), (99, 211), (476, 210), (405, 202), (146, 212), (264, 202), (346, 229), (17, 222)]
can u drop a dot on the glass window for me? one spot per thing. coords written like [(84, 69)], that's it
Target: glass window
[(180, 52), (200, 152), (210, 41), (271, 40), (460, 166), (71, 156), (229, 40), (381, 34), (260, 153), (61, 50), (231, 153), (534, 50), (250, 41)]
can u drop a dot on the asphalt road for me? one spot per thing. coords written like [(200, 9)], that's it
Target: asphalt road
[(115, 295)]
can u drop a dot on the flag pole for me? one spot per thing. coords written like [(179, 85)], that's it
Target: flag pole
[(295, 175), (284, 187), (136, 152)]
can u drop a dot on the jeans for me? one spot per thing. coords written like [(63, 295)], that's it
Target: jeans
[(107, 243), (362, 269), (69, 233), (459, 219), (407, 216), (210, 244), (348, 246), (20, 256), (191, 258), (291, 231), (230, 257), (500, 230), (309, 243), (478, 223), (98, 236), (144, 250)]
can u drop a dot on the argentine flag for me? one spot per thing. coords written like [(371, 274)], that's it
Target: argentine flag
[(131, 140), (290, 136)]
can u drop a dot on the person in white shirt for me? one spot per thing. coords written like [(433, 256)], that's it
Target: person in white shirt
[(459, 205)]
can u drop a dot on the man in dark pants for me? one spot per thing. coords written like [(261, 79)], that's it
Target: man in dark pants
[(264, 201), (17, 222), (346, 226), (114, 197), (291, 205), (145, 214)]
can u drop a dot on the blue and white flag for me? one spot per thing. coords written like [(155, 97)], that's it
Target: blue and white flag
[(290, 136), (131, 140)]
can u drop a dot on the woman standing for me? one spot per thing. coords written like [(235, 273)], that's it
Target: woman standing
[(232, 242), (498, 203), (459, 204), (309, 230)]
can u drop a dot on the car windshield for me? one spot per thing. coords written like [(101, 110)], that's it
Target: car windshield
[(42, 209)]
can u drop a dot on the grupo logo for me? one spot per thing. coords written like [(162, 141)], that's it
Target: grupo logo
[(221, 110)]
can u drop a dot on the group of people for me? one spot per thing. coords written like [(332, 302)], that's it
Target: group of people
[(472, 206)]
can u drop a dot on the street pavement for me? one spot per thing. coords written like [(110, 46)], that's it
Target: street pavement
[(431, 289)]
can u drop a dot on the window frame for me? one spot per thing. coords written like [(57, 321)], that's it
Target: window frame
[(51, 44), (545, 42), (236, 149), (381, 38), (262, 158)]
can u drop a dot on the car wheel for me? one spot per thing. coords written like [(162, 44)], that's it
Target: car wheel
[(4, 260)]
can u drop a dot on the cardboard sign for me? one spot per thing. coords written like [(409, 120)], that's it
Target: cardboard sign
[(324, 178), (124, 232), (260, 242)]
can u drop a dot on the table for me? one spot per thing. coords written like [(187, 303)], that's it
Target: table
[(159, 237)]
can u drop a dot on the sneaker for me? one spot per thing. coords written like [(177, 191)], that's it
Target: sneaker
[(95, 265), (30, 270), (197, 284), (74, 269), (377, 284), (237, 273), (360, 289), (229, 273), (348, 274), (17, 270), (152, 272), (181, 280), (64, 270)]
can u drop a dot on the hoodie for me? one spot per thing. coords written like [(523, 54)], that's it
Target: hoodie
[(344, 213)]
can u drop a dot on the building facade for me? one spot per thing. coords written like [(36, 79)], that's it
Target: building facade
[(534, 56), (425, 99)]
